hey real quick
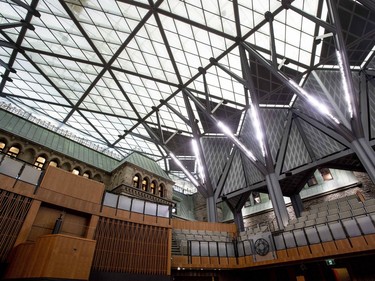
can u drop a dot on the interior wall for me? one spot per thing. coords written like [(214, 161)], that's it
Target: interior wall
[(73, 223)]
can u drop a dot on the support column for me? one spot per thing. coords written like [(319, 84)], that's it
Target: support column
[(28, 223), (238, 220), (297, 204), (211, 209), (277, 200), (366, 155), (92, 227)]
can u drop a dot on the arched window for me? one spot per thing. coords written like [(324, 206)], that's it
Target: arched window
[(86, 175), (145, 184), (13, 151), (53, 163), (136, 181), (153, 187), (39, 162), (76, 171), (161, 190), (2, 146)]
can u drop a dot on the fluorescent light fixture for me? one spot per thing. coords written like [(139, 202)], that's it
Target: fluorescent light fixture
[(258, 128), (198, 160), (314, 102), (344, 83), (186, 172), (229, 134)]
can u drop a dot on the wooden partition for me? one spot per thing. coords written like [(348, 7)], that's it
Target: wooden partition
[(131, 247), (13, 210), (52, 256), (66, 183), (198, 225)]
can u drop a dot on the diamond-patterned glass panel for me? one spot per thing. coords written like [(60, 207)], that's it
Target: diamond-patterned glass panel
[(321, 144), (296, 153), (274, 123), (216, 152), (249, 137), (236, 177), (252, 174)]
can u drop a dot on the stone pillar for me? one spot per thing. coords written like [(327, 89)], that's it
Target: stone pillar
[(297, 204)]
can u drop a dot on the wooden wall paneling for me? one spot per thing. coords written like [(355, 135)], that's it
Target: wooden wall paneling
[(90, 232), (72, 185), (370, 238), (329, 248), (24, 188), (359, 243), (169, 249), (343, 246), (317, 250), (7, 183), (28, 222), (13, 211)]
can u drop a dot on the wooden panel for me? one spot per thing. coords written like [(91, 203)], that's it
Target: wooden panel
[(181, 224), (13, 211), (29, 221), (317, 250), (7, 183), (329, 248), (74, 224), (293, 254), (304, 252), (370, 238), (53, 256), (66, 201), (72, 185), (23, 188), (359, 243), (343, 246), (131, 247)]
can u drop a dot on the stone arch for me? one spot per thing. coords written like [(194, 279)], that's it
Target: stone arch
[(97, 177), (66, 166), (145, 183)]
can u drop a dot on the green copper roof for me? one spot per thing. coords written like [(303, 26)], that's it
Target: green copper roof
[(23, 128), (145, 163), (35, 133)]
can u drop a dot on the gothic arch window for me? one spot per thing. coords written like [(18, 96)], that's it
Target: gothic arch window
[(2, 146), (136, 180), (161, 190), (40, 162), (153, 186), (76, 171), (14, 151), (97, 177), (54, 163), (145, 183)]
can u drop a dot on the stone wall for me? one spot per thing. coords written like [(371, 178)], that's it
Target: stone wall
[(366, 188)]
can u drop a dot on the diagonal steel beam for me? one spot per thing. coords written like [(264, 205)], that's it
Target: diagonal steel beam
[(108, 64), (269, 18), (233, 138), (280, 157), (314, 19), (305, 140), (369, 4), (196, 135), (324, 129), (30, 8), (192, 179), (351, 94), (224, 175), (21, 36), (165, 41), (345, 132)]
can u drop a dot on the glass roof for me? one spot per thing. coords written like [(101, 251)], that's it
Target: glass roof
[(107, 71)]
